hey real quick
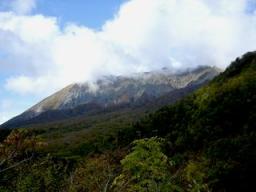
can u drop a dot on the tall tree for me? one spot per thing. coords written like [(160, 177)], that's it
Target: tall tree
[(145, 169)]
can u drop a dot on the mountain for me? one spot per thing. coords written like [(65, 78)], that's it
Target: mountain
[(206, 141), (211, 134), (114, 92)]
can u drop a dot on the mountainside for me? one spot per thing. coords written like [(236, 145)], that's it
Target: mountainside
[(111, 93), (211, 134), (204, 142)]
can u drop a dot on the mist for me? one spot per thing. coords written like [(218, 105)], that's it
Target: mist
[(144, 35)]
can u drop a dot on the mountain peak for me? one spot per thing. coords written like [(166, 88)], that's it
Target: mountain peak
[(113, 91)]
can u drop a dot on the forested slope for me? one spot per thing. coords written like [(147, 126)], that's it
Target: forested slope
[(205, 142), (215, 128)]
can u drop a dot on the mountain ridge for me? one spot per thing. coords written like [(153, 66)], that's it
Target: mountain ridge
[(113, 92)]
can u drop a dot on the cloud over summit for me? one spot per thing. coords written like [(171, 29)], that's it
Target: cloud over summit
[(144, 35)]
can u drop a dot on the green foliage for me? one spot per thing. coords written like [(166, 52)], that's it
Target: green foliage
[(217, 122), (96, 173), (145, 169), (195, 176), (44, 174), (24, 168), (209, 145)]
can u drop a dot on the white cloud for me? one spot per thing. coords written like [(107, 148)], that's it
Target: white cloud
[(22, 6), (143, 35), (4, 118), (11, 106), (5, 106)]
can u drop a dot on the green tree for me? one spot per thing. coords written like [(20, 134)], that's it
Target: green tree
[(145, 169), (195, 176)]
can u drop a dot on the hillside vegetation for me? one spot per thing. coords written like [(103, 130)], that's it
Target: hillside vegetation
[(214, 129), (205, 142)]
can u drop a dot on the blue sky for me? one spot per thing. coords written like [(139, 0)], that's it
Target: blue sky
[(46, 45), (91, 13)]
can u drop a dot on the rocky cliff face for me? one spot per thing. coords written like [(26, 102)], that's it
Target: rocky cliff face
[(113, 91)]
